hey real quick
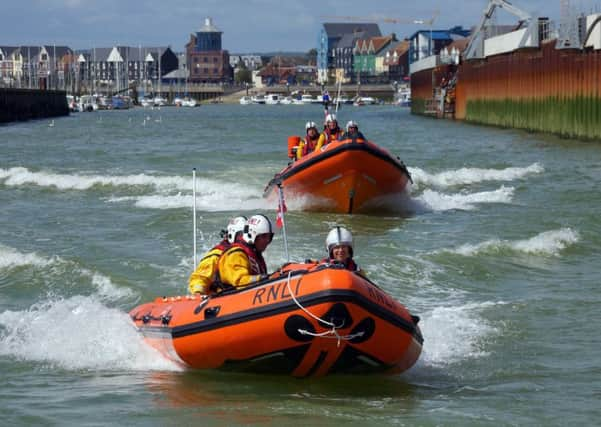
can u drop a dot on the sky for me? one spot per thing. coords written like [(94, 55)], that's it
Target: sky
[(247, 25)]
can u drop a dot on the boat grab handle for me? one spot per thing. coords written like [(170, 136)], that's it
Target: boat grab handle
[(332, 333)]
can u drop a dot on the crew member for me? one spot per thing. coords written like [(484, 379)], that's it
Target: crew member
[(339, 245), (243, 263), (202, 279), (352, 131), (308, 144), (330, 133)]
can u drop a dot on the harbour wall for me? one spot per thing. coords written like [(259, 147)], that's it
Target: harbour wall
[(542, 89), (423, 85), (26, 104)]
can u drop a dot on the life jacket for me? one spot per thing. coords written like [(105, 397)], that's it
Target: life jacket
[(332, 136), (357, 137), (212, 257), (309, 144), (223, 246), (349, 264), (255, 258)]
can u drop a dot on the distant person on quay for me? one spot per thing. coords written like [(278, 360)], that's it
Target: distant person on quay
[(325, 99)]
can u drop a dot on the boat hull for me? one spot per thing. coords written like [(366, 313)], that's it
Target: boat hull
[(285, 326), (343, 177)]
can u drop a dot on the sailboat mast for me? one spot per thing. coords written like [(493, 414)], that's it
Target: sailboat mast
[(159, 76), (94, 74)]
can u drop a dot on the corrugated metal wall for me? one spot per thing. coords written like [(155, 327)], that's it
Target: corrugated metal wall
[(544, 89), (422, 84)]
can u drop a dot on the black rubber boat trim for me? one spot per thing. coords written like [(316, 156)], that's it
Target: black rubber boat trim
[(288, 306)]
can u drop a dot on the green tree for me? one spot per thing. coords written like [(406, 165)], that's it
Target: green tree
[(243, 75)]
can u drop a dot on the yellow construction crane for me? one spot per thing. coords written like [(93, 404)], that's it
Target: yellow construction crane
[(378, 19)]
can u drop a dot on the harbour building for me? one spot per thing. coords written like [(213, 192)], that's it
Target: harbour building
[(207, 61), (335, 45)]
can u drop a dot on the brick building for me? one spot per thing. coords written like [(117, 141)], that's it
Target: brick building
[(207, 61)]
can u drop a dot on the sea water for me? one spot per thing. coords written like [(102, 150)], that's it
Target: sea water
[(498, 255)]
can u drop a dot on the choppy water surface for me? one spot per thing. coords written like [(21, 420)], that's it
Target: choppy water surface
[(497, 258)]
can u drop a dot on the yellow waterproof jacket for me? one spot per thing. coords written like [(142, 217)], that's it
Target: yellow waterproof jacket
[(301, 148), (324, 139), (321, 141), (237, 269), (205, 274)]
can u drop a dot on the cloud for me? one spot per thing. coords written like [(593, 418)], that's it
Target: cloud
[(247, 25)]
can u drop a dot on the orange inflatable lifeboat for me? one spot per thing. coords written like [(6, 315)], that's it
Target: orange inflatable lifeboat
[(343, 176), (306, 320)]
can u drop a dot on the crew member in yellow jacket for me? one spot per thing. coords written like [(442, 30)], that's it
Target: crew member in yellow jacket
[(205, 274), (308, 144), (243, 264), (330, 133)]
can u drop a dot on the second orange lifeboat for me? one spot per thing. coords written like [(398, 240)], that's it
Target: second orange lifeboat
[(343, 177)]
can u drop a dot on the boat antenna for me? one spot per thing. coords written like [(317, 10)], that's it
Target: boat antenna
[(280, 218), (194, 214), (338, 95), (326, 102)]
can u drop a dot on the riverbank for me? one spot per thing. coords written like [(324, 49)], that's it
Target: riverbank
[(27, 104), (233, 98)]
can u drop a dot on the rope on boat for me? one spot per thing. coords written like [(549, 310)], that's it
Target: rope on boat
[(330, 334)]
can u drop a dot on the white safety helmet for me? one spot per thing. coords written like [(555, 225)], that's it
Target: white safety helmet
[(255, 226), (350, 124), (339, 236), (331, 118), (235, 226), (310, 125)]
